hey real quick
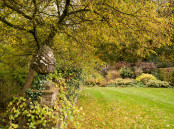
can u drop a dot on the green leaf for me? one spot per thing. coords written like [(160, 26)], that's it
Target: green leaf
[(15, 126)]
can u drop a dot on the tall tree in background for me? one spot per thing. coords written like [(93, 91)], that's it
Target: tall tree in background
[(84, 26)]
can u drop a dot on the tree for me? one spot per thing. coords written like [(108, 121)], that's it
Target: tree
[(83, 26)]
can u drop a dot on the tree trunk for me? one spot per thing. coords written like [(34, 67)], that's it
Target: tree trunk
[(28, 81)]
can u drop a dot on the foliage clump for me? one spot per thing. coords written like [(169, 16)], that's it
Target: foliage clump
[(32, 113), (158, 84), (119, 82), (90, 82), (37, 87), (113, 74), (39, 116), (69, 75), (11, 82), (120, 64), (145, 78), (167, 74), (147, 67), (36, 115), (126, 72), (138, 71), (97, 80)]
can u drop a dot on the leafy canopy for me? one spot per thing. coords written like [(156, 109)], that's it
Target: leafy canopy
[(79, 30)]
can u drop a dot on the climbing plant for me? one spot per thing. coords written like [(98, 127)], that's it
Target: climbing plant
[(34, 115), (37, 87)]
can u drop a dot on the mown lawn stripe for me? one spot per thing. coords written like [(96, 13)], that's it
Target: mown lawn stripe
[(111, 107)]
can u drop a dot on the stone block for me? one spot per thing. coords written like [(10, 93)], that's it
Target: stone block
[(49, 94)]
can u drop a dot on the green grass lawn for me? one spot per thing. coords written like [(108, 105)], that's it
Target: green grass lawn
[(127, 108)]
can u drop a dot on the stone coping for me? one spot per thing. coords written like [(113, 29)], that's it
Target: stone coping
[(48, 92)]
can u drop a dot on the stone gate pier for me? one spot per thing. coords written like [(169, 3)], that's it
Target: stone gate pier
[(48, 98), (49, 94)]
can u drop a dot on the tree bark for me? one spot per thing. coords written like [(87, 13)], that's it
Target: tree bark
[(28, 81)]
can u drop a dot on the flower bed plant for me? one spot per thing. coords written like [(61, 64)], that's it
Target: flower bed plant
[(126, 72), (145, 77), (158, 84)]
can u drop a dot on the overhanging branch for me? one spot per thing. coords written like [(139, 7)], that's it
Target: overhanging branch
[(14, 26), (130, 14), (17, 10), (78, 11)]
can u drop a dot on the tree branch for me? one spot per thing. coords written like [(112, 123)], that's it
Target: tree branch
[(35, 8), (131, 14), (53, 29), (78, 11), (50, 36), (22, 13), (104, 18), (35, 37), (14, 26), (58, 8), (17, 10), (65, 12), (35, 26)]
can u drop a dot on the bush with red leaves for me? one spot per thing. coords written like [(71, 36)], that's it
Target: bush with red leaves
[(147, 67), (120, 65)]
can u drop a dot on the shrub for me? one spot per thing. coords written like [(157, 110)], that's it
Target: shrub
[(158, 84), (95, 79), (72, 76), (113, 74), (167, 74), (160, 61), (147, 67), (36, 116), (126, 72), (103, 72), (119, 82), (164, 64), (120, 65), (99, 80), (8, 89), (156, 73), (103, 84), (138, 71), (112, 83), (145, 78), (11, 84), (90, 82), (124, 82)]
